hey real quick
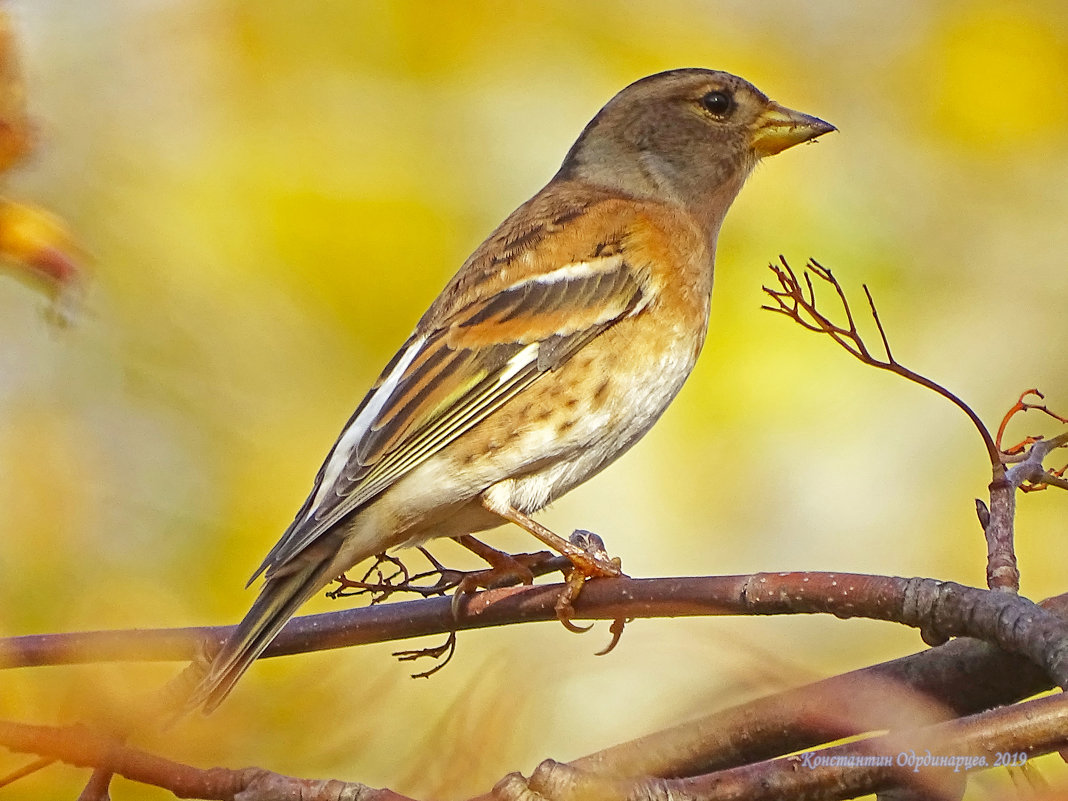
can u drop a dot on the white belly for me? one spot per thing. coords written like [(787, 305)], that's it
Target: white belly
[(602, 436)]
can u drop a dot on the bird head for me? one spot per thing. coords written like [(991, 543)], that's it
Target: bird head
[(687, 135)]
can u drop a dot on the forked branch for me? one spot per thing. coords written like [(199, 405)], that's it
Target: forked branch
[(796, 298)]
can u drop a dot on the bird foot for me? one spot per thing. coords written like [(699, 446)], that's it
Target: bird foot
[(593, 555), (592, 561), (576, 579), (503, 575)]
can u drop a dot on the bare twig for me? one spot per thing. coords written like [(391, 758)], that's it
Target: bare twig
[(26, 770), (1022, 405), (796, 299), (800, 306)]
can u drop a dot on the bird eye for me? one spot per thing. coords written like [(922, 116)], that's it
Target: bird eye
[(717, 103)]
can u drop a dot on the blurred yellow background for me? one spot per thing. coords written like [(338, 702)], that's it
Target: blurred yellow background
[(272, 193)]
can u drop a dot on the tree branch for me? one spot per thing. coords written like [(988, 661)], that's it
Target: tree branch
[(1030, 729), (800, 305), (796, 299), (965, 676), (939, 609)]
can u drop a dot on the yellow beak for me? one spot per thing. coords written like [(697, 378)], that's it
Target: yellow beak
[(779, 128)]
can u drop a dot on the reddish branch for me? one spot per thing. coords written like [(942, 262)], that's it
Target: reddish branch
[(965, 676), (796, 298), (939, 609), (1033, 728), (1020, 406)]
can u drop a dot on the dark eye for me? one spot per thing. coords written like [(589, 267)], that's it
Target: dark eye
[(717, 103)]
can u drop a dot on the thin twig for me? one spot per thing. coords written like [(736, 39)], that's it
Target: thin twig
[(791, 301), (798, 302)]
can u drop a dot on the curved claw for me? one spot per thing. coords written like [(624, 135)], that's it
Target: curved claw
[(574, 628), (444, 652), (458, 597), (617, 632), (564, 610)]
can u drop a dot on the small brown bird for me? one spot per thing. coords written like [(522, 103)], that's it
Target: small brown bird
[(556, 346)]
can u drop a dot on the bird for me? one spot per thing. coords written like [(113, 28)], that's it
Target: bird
[(555, 347)]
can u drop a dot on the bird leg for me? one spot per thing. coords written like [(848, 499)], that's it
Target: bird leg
[(592, 563), (585, 550), (505, 568)]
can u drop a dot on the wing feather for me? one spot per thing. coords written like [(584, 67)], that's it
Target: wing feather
[(448, 379)]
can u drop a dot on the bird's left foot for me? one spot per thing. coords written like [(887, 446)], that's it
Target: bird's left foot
[(593, 547), (592, 561)]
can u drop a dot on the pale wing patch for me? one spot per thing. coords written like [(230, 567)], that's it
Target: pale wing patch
[(358, 428), (527, 356), (569, 272)]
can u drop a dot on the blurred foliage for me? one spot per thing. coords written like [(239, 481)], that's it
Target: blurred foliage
[(272, 192), (34, 244)]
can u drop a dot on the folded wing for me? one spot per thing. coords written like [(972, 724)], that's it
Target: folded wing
[(452, 376)]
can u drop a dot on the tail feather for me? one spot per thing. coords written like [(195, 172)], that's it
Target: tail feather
[(278, 601)]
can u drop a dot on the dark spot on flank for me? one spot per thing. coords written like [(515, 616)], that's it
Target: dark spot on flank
[(607, 248), (565, 426), (601, 395)]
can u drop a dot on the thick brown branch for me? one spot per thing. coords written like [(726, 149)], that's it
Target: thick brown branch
[(77, 745), (939, 609), (1028, 470), (966, 676), (1033, 728)]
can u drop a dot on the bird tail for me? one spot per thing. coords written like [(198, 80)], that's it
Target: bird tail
[(278, 601)]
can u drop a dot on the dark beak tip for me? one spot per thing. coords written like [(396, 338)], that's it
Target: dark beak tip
[(822, 127)]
